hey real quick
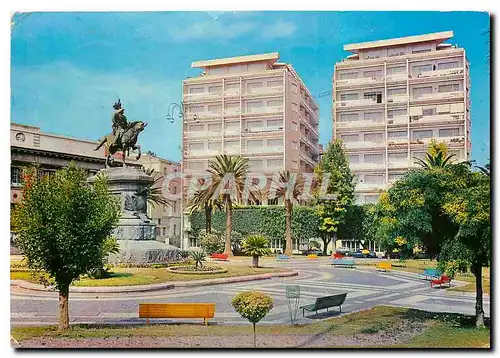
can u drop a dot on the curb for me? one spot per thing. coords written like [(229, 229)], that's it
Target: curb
[(155, 287), (14, 343)]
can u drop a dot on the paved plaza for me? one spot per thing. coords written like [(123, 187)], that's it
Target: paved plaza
[(365, 288)]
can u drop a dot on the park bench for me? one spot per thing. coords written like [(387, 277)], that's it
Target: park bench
[(219, 257), (325, 302), (343, 262), (440, 281), (312, 256), (430, 273), (384, 266), (177, 310), (282, 257)]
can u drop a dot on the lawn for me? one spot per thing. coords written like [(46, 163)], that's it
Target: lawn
[(418, 266), (380, 326), (143, 276)]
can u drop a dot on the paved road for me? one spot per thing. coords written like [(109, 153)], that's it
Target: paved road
[(365, 288)]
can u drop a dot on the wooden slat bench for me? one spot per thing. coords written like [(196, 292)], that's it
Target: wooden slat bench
[(384, 266), (325, 302), (343, 262), (177, 310), (282, 257)]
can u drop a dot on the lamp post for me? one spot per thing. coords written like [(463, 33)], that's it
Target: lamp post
[(181, 108)]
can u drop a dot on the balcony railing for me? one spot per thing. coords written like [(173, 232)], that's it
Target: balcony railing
[(202, 96), (358, 81), (263, 110), (369, 186), (231, 131), (232, 112), (359, 166), (361, 123), (204, 115), (397, 120), (202, 134), (397, 141), (202, 152), (357, 103), (232, 93), (364, 144), (438, 118), (397, 99), (397, 77), (232, 151), (441, 73), (265, 90), (398, 164), (262, 129), (439, 95), (261, 150)]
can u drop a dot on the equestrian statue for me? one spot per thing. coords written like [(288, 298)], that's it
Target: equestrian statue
[(124, 136)]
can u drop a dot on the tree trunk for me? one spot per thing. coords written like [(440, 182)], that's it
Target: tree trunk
[(229, 227), (326, 241), (63, 308), (208, 219), (288, 227), (254, 336), (478, 271), (255, 261)]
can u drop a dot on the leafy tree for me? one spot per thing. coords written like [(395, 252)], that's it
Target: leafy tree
[(469, 208), (290, 187), (256, 246), (109, 246), (198, 257), (211, 242), (340, 187), (252, 305), (62, 225), (228, 179)]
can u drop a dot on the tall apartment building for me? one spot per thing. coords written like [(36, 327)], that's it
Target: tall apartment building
[(166, 218), (391, 97), (253, 106)]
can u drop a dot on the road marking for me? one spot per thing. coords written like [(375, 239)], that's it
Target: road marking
[(379, 298), (410, 300)]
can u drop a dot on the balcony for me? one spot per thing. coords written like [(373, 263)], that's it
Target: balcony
[(305, 156), (440, 73), (397, 141), (400, 77), (359, 81), (367, 166), (232, 112), (440, 96), (232, 93), (306, 140), (361, 124), (264, 91), (364, 145), (370, 186), (398, 164), (204, 96), (263, 150), (264, 110), (230, 132), (232, 151), (357, 103), (202, 134), (192, 116), (264, 129), (439, 118), (398, 120), (398, 99), (203, 153)]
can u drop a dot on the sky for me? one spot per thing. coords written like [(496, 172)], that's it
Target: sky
[(67, 69)]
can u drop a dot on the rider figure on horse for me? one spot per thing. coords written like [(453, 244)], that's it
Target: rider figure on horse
[(119, 122)]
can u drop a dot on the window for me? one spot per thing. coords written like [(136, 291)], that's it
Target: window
[(396, 91), (372, 54), (396, 51), (276, 83), (421, 155), (196, 89), (274, 163), (397, 157), (353, 158), (164, 231), (295, 108), (274, 103), (398, 134), (396, 70), (174, 207), (349, 138), (232, 126), (421, 91), (295, 126), (449, 132), (428, 111), (295, 145), (374, 158), (175, 229), (422, 134), (348, 117), (214, 145), (374, 116), (448, 65), (295, 164), (196, 109), (196, 128), (370, 199), (348, 75), (214, 127), (375, 96), (231, 144), (196, 165), (253, 85), (421, 48), (232, 87), (375, 73), (275, 123), (275, 143), (159, 221), (396, 113), (253, 106), (395, 176), (449, 88), (348, 96), (418, 70), (196, 146), (15, 176), (373, 137), (295, 88), (255, 164), (215, 89), (215, 108), (374, 179)]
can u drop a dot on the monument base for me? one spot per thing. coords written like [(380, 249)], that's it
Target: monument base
[(144, 252)]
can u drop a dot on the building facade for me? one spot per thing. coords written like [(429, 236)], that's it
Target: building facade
[(251, 106), (167, 218), (391, 98)]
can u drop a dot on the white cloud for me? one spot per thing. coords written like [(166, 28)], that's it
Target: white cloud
[(279, 29), (212, 29)]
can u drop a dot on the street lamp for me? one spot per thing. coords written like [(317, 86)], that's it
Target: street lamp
[(182, 111)]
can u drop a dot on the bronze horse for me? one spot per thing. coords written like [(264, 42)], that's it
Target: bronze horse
[(129, 141)]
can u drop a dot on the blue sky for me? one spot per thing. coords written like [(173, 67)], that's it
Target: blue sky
[(67, 69)]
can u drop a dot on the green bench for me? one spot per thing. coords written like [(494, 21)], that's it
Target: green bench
[(343, 262), (325, 302)]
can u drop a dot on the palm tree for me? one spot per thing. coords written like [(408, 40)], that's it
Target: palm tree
[(228, 180), (289, 194), (486, 170), (440, 160), (256, 246), (202, 200)]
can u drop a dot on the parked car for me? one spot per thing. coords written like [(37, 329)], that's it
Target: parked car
[(363, 254), (342, 250), (313, 252)]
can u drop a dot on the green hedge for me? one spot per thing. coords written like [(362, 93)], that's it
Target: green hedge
[(263, 220)]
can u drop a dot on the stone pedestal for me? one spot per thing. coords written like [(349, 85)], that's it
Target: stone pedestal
[(135, 232)]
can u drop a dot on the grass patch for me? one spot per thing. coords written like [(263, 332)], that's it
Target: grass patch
[(443, 330)]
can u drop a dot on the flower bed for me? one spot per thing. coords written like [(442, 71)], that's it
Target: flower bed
[(204, 270)]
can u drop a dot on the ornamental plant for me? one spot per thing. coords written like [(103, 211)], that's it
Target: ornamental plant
[(198, 256), (252, 305), (256, 246), (211, 242)]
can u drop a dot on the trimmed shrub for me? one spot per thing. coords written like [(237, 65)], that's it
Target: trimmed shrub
[(211, 242)]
